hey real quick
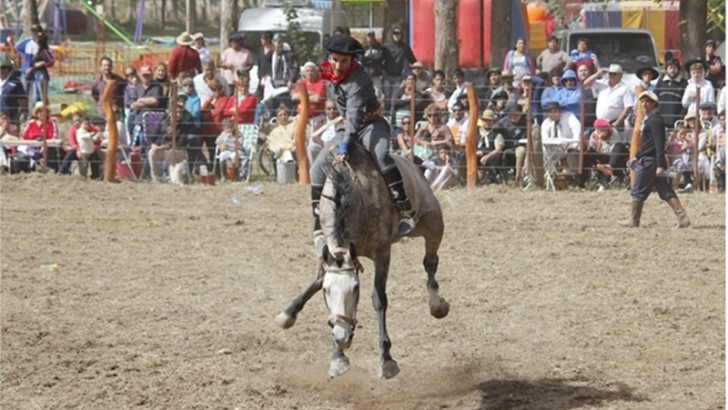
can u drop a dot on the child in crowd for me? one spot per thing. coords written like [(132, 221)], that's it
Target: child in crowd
[(88, 138), (679, 147), (226, 144), (441, 171)]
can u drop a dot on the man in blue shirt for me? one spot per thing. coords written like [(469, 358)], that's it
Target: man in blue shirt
[(12, 93)]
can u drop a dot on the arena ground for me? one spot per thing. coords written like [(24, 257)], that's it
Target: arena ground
[(164, 298)]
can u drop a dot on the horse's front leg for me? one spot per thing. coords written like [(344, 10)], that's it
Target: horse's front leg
[(380, 303), (439, 308), (287, 318)]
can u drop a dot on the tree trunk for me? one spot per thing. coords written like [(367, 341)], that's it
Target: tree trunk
[(131, 11), (235, 15), (191, 16), (163, 14), (203, 15), (226, 23), (30, 18), (500, 31), (693, 19), (395, 16), (175, 11), (446, 42)]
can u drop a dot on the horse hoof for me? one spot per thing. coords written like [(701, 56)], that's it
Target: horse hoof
[(339, 366), (440, 310), (390, 368), (285, 320)]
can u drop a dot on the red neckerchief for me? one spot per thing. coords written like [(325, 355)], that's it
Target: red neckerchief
[(327, 72)]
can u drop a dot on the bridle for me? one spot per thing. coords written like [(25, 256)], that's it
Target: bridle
[(333, 319)]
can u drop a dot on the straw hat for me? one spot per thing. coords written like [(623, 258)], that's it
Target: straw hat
[(185, 39), (38, 107)]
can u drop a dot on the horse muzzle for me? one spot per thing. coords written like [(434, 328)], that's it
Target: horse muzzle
[(342, 330)]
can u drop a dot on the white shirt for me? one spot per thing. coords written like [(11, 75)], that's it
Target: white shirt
[(566, 134), (611, 101), (707, 94), (455, 95), (462, 127), (203, 91)]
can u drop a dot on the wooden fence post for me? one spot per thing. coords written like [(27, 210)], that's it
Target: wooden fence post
[(107, 101), (301, 124), (471, 158)]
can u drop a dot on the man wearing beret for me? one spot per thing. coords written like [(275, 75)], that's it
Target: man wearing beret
[(649, 166), (358, 103)]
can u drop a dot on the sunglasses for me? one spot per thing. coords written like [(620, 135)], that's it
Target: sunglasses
[(130, 74), (431, 116), (457, 110), (406, 123)]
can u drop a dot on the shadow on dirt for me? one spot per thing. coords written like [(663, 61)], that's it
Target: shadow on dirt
[(548, 394)]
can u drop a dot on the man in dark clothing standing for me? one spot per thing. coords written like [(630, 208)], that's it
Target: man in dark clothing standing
[(373, 58), (650, 164), (397, 56), (669, 90), (12, 93)]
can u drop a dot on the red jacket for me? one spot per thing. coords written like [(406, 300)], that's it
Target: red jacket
[(184, 59), (215, 113), (246, 109)]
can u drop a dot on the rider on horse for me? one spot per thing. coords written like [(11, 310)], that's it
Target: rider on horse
[(358, 103)]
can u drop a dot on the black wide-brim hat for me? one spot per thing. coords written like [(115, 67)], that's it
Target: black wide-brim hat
[(694, 61), (642, 70), (343, 44)]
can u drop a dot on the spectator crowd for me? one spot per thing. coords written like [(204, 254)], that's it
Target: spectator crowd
[(194, 109)]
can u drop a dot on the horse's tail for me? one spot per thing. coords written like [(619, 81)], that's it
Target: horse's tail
[(342, 179)]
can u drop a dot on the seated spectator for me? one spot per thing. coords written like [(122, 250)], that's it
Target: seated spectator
[(441, 171), (422, 77), (550, 92), (226, 145), (569, 96), (150, 99), (404, 138), (85, 142), (203, 81), (246, 103), (499, 103), (316, 88), (437, 91), (679, 148), (458, 124), (161, 77), (282, 138), (8, 131), (439, 133), (647, 76), (508, 85), (193, 104), (719, 135), (493, 76), (187, 145), (696, 67), (185, 60), (707, 114), (212, 114), (458, 79), (326, 132), (513, 127), (560, 137), (490, 148), (607, 153), (35, 129)]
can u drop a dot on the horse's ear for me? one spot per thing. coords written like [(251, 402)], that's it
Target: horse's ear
[(352, 250)]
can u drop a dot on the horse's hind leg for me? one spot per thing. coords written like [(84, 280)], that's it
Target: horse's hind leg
[(380, 303), (439, 307), (287, 318)]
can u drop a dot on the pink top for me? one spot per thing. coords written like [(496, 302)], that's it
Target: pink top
[(238, 59)]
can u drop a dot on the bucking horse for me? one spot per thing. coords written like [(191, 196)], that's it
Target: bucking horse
[(359, 219)]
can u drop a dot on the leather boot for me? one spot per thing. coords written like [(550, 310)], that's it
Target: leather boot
[(635, 214), (682, 215), (396, 187)]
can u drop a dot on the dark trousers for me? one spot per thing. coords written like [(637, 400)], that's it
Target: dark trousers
[(94, 161)]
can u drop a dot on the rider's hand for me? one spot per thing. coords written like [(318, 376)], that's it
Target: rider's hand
[(341, 158), (660, 172)]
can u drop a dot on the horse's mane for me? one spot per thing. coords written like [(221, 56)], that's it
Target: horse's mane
[(343, 182)]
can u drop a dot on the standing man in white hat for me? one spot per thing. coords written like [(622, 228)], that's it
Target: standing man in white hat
[(615, 100), (184, 60)]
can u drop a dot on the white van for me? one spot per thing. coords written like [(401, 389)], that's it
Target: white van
[(630, 48)]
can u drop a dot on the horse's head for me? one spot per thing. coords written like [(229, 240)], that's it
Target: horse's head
[(341, 292)]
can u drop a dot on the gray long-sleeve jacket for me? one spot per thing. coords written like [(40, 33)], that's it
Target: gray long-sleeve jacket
[(355, 96)]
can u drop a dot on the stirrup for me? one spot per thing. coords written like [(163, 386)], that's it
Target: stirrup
[(319, 243)]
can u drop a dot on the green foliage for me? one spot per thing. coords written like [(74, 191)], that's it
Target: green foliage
[(716, 14), (306, 48)]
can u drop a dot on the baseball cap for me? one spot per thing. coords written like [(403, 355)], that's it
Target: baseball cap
[(145, 69)]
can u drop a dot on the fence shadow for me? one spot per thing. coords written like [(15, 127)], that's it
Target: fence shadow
[(551, 394)]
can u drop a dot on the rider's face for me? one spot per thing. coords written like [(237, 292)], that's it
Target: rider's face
[(340, 62)]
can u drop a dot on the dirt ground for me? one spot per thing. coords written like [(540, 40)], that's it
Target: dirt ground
[(164, 298)]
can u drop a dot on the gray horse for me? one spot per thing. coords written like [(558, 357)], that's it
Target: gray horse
[(359, 219)]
